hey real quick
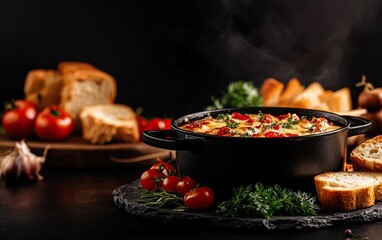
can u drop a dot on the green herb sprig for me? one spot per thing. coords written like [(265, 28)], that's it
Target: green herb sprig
[(160, 198), (238, 94), (265, 202)]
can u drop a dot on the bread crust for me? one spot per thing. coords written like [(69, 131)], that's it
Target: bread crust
[(271, 91), (367, 156), (104, 123), (74, 96), (43, 87), (71, 66), (348, 191)]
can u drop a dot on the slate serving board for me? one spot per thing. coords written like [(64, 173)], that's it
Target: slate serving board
[(125, 197)]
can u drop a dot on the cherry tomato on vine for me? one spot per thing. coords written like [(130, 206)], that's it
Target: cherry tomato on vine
[(19, 118), (151, 179), (199, 199), (53, 123), (170, 183), (164, 167), (185, 185)]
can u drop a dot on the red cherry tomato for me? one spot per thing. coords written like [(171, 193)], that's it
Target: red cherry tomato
[(185, 185), (19, 118), (151, 179), (158, 124), (53, 123), (170, 183), (199, 199), (164, 167)]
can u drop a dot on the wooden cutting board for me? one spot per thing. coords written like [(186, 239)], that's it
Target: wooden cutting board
[(75, 152)]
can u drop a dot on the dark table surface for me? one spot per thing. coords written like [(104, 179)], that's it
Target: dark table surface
[(77, 203)]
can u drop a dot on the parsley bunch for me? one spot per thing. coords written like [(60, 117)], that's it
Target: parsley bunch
[(265, 202), (238, 94)]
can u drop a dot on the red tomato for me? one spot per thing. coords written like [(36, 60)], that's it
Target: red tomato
[(151, 179), (185, 185), (53, 123), (170, 183), (19, 118), (199, 199), (273, 134), (164, 167), (158, 124)]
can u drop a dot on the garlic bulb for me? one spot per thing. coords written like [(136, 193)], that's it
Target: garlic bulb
[(20, 164)]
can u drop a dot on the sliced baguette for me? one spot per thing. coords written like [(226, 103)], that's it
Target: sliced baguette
[(347, 191), (292, 89), (104, 123), (310, 97), (340, 100), (367, 156), (271, 91)]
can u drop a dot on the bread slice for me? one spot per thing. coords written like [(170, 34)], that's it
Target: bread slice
[(310, 97), (340, 100), (292, 89), (367, 156), (43, 87), (271, 91), (104, 123), (87, 87), (347, 191)]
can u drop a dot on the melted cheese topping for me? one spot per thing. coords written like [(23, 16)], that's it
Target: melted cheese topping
[(259, 125)]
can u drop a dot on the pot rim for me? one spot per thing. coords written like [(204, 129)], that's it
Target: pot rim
[(309, 112)]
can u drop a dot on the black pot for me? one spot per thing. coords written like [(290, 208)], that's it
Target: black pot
[(225, 162)]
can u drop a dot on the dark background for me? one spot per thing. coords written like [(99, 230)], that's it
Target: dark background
[(169, 57)]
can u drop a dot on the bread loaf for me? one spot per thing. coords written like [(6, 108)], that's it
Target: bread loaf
[(67, 67), (367, 156), (43, 87), (86, 87), (347, 191), (104, 123)]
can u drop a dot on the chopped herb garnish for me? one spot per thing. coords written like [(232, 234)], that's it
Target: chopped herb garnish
[(224, 117), (232, 124)]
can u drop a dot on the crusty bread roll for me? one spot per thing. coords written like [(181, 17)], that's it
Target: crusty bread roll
[(347, 191), (104, 123), (367, 156), (43, 87), (271, 91), (86, 87)]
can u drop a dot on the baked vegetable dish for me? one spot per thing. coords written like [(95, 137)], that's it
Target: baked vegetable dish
[(260, 125)]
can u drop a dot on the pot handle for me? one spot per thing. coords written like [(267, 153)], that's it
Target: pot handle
[(166, 139), (358, 125)]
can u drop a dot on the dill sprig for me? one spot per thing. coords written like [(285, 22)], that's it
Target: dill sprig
[(265, 202)]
